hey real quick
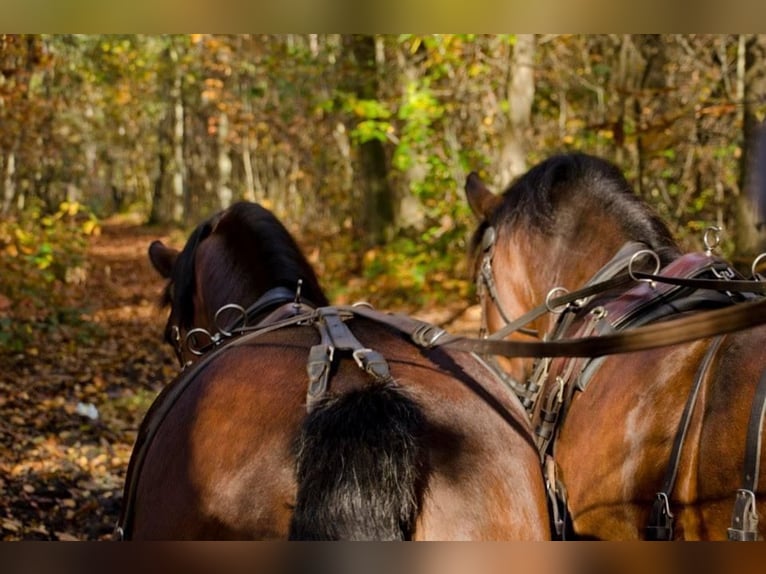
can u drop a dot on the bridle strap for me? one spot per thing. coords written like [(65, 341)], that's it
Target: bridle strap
[(605, 279)]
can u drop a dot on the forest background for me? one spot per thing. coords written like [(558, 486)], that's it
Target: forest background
[(360, 144)]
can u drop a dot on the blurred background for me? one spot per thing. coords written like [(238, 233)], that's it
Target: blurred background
[(361, 143)]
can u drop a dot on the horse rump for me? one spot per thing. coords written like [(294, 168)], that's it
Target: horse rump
[(361, 467)]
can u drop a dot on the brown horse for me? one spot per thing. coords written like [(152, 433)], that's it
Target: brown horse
[(660, 444), (293, 419)]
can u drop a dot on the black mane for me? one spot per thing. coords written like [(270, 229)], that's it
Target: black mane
[(257, 244), (535, 200)]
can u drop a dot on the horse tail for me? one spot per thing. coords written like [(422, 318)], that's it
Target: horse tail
[(361, 467)]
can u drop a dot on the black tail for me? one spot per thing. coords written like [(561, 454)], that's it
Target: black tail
[(361, 467)]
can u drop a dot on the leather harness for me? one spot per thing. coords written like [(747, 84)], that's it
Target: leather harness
[(690, 283)]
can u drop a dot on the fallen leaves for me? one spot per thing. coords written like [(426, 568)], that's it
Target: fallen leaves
[(61, 472)]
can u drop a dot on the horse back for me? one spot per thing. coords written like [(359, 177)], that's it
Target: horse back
[(221, 459)]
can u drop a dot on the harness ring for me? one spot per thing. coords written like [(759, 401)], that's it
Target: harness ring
[(217, 316), (757, 276), (711, 238), (633, 260), (549, 297), (188, 341)]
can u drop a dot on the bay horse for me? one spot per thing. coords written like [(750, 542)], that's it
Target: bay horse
[(658, 444), (293, 419)]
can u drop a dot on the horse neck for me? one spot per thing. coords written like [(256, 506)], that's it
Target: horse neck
[(221, 282), (529, 265)]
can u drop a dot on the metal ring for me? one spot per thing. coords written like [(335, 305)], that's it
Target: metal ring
[(599, 312), (488, 239), (714, 241), (188, 342), (638, 254), (753, 267), (550, 295), (234, 306)]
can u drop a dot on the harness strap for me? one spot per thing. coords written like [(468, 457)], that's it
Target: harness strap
[(557, 497), (271, 298), (559, 395), (723, 285), (744, 520), (653, 336), (660, 525), (335, 335)]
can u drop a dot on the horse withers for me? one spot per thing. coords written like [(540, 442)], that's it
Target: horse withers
[(295, 419), (658, 444)]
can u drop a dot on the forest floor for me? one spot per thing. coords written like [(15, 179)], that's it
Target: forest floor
[(70, 405)]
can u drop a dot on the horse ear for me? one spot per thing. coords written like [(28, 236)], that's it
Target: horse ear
[(482, 201), (163, 258)]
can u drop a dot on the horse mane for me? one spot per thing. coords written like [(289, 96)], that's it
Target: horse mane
[(536, 200), (255, 242)]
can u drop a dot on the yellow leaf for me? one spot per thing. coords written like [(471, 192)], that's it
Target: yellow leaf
[(90, 227)]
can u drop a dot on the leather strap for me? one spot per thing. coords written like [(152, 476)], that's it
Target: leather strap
[(660, 525), (336, 336), (662, 334), (744, 520)]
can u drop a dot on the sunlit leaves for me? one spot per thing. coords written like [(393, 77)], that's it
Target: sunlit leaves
[(39, 256)]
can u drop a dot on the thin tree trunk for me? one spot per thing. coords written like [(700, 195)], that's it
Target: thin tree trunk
[(751, 228), (178, 168), (225, 194), (377, 213), (9, 183), (520, 94), (652, 49), (247, 166)]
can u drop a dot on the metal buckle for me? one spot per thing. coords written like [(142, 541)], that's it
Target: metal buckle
[(661, 519), (744, 519), (372, 362), (426, 335)]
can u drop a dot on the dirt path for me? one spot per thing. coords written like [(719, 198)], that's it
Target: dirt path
[(71, 404)]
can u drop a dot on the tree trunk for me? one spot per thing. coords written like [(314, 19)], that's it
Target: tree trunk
[(156, 213), (225, 194), (520, 94), (9, 186), (751, 231), (178, 169), (652, 50), (247, 167), (377, 217)]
